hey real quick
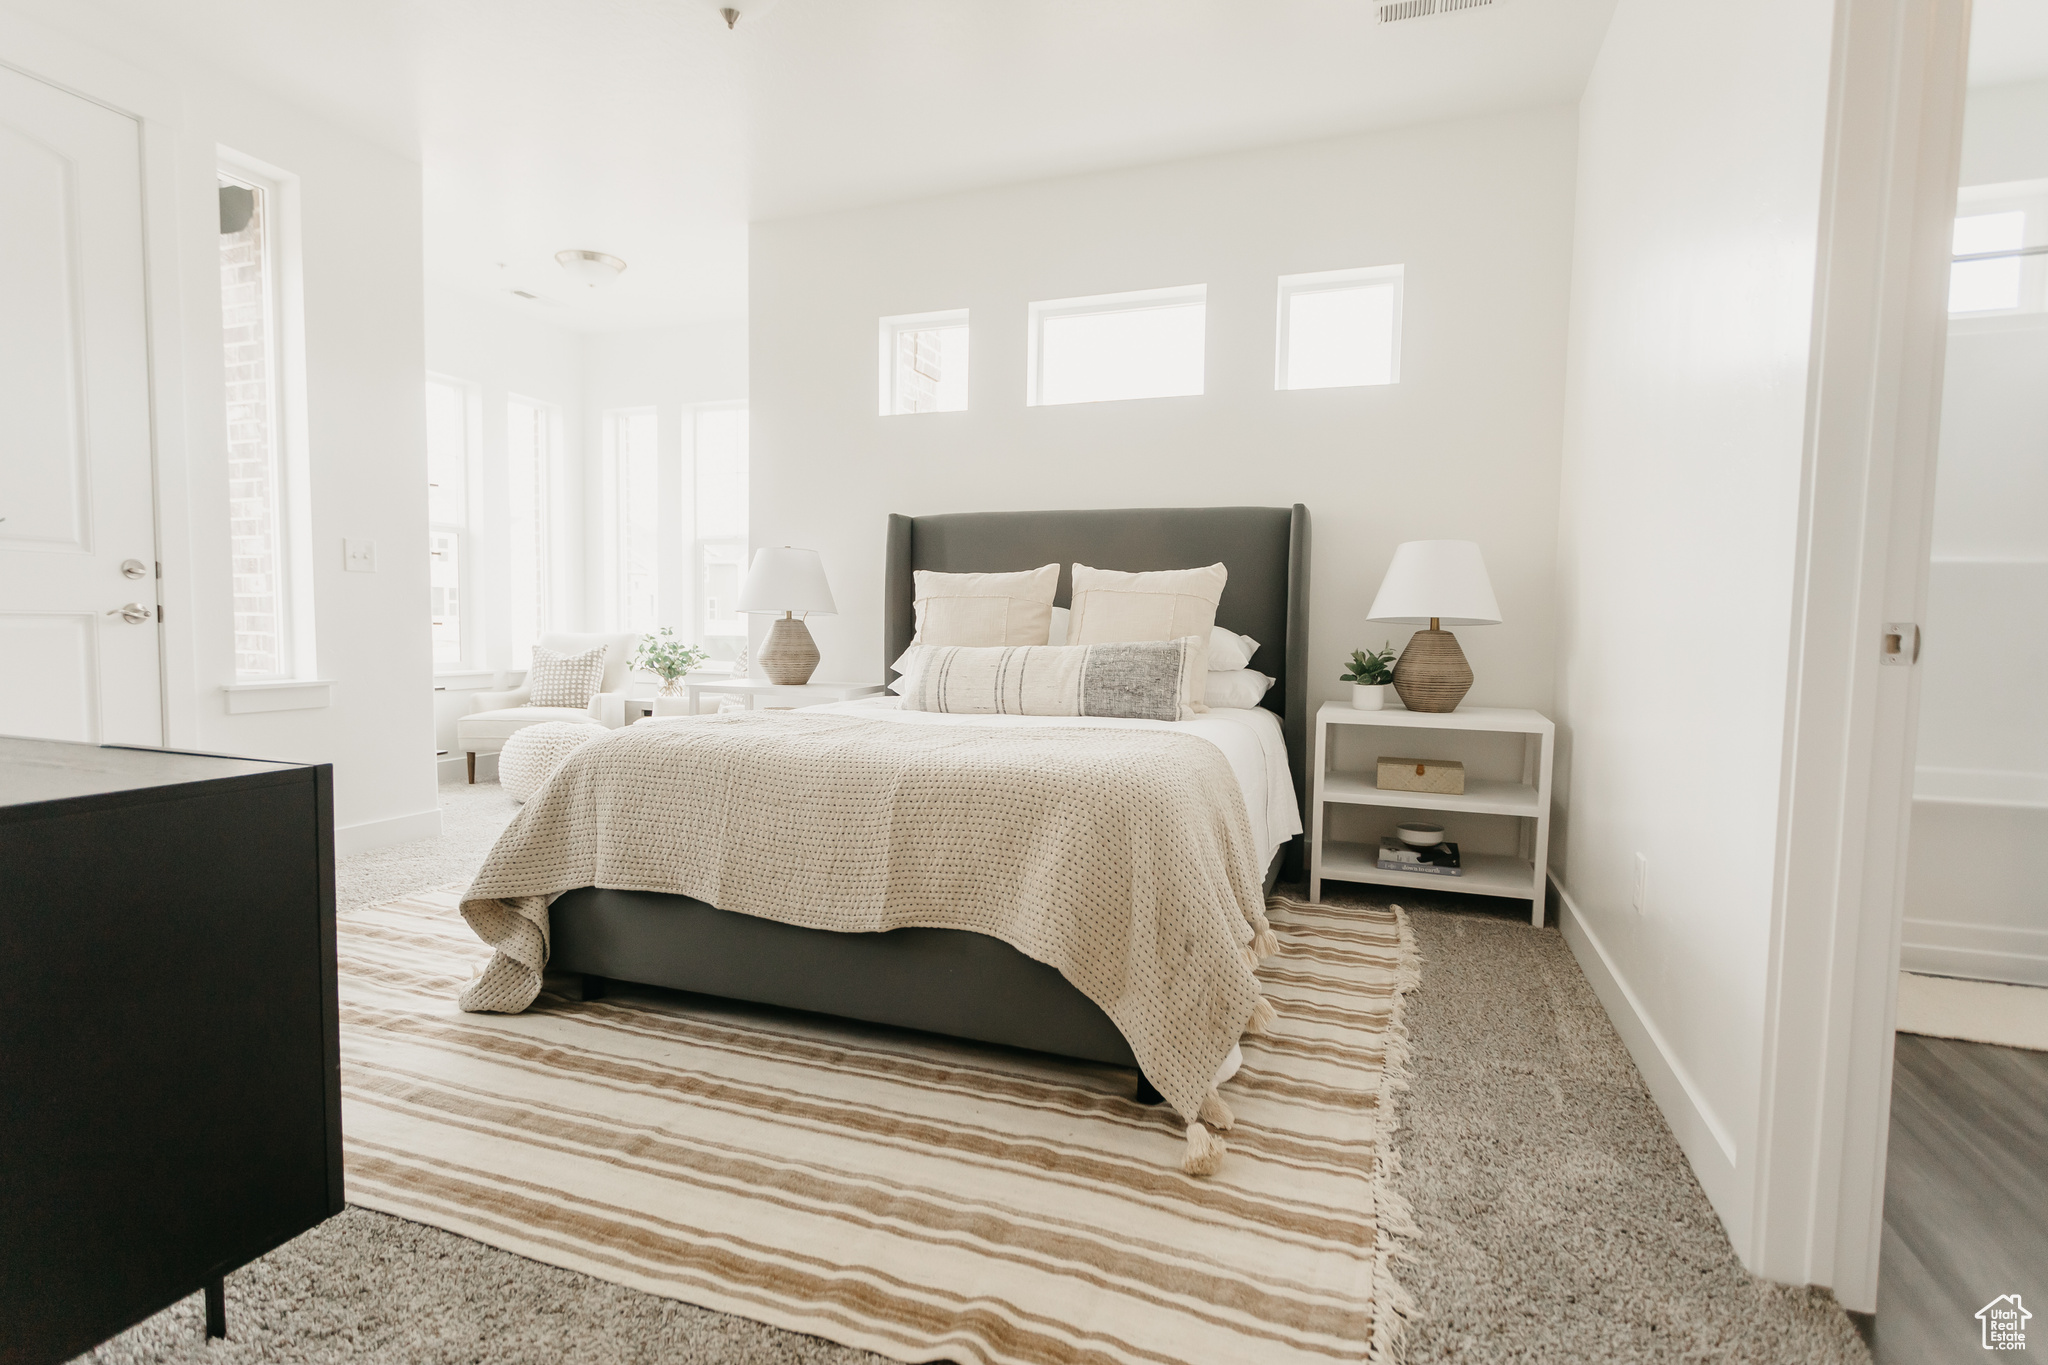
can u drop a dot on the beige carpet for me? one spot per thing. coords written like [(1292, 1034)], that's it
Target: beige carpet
[(920, 1199)]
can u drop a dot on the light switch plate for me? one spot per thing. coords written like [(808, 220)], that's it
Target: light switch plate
[(359, 556)]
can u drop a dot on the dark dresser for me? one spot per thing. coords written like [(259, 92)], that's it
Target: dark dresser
[(170, 1082)]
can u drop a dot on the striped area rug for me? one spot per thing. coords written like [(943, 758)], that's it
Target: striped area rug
[(921, 1199)]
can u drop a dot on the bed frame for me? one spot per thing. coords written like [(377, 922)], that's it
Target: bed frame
[(950, 981)]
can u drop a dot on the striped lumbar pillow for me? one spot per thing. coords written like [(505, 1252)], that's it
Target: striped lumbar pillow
[(564, 679), (1140, 680)]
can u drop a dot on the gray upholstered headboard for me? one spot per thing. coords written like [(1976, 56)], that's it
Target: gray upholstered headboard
[(1266, 596)]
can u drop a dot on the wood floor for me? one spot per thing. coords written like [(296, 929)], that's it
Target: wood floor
[(1966, 1198)]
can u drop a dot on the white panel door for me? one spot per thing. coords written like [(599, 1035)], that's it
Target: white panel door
[(77, 521)]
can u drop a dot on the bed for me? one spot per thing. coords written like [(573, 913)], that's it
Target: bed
[(949, 981)]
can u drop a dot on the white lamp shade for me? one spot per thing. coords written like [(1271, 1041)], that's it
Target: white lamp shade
[(783, 579), (1444, 579)]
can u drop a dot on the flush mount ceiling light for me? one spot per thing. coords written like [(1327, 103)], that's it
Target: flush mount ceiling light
[(591, 269), (731, 10)]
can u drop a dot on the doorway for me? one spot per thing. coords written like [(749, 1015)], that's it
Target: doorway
[(1965, 1241)]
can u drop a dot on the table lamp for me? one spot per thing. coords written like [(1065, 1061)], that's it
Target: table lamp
[(788, 581), (1438, 583)]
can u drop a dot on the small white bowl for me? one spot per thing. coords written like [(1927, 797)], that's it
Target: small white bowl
[(1419, 835)]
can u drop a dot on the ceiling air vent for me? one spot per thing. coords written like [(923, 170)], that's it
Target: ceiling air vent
[(1393, 11)]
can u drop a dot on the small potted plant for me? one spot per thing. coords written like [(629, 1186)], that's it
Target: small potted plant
[(665, 655), (1369, 676)]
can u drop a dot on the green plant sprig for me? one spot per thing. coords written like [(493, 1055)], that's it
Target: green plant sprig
[(1374, 670), (664, 654)]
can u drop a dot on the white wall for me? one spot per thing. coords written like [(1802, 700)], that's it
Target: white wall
[(1466, 445), (2002, 133), (1977, 885), (360, 248), (1700, 173), (360, 254)]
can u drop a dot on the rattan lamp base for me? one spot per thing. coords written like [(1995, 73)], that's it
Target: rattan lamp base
[(1431, 674), (789, 655)]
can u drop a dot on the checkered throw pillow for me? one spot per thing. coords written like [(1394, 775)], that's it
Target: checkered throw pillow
[(564, 679)]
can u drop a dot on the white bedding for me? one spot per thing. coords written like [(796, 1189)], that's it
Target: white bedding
[(1251, 741)]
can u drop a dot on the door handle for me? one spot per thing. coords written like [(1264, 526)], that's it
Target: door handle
[(134, 613)]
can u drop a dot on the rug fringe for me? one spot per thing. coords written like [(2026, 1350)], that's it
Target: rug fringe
[(1394, 1220), (1205, 1152)]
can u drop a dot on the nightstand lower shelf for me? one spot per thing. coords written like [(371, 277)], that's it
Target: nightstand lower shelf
[(1486, 874)]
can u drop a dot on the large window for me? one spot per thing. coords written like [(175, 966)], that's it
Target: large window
[(924, 363), (1339, 329), (719, 534), (630, 449), (1146, 344), (2001, 250), (253, 359), (450, 445), (529, 461)]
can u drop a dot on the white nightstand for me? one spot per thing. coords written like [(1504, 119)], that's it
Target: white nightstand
[(767, 696), (1374, 734)]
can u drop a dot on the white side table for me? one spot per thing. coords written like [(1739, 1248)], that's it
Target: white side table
[(1527, 798), (768, 696)]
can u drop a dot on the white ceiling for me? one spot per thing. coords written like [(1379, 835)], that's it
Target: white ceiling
[(645, 129), (2008, 41)]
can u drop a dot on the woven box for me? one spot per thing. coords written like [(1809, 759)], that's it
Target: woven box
[(1436, 776)]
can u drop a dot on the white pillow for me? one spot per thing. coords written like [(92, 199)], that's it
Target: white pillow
[(1227, 649), (1113, 607), (1239, 688), (906, 666), (984, 609)]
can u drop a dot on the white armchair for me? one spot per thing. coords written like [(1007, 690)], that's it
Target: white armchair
[(495, 717)]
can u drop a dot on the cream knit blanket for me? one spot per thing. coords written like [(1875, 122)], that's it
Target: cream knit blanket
[(1123, 858)]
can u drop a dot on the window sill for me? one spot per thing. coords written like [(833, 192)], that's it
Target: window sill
[(280, 694), (2028, 320), (465, 680)]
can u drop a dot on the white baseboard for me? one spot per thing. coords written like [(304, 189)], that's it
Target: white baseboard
[(1980, 952), (1706, 1141), (399, 829)]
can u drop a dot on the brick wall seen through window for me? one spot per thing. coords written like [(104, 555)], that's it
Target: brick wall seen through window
[(254, 467)]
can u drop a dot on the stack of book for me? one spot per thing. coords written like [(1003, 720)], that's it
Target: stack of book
[(1439, 860)]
